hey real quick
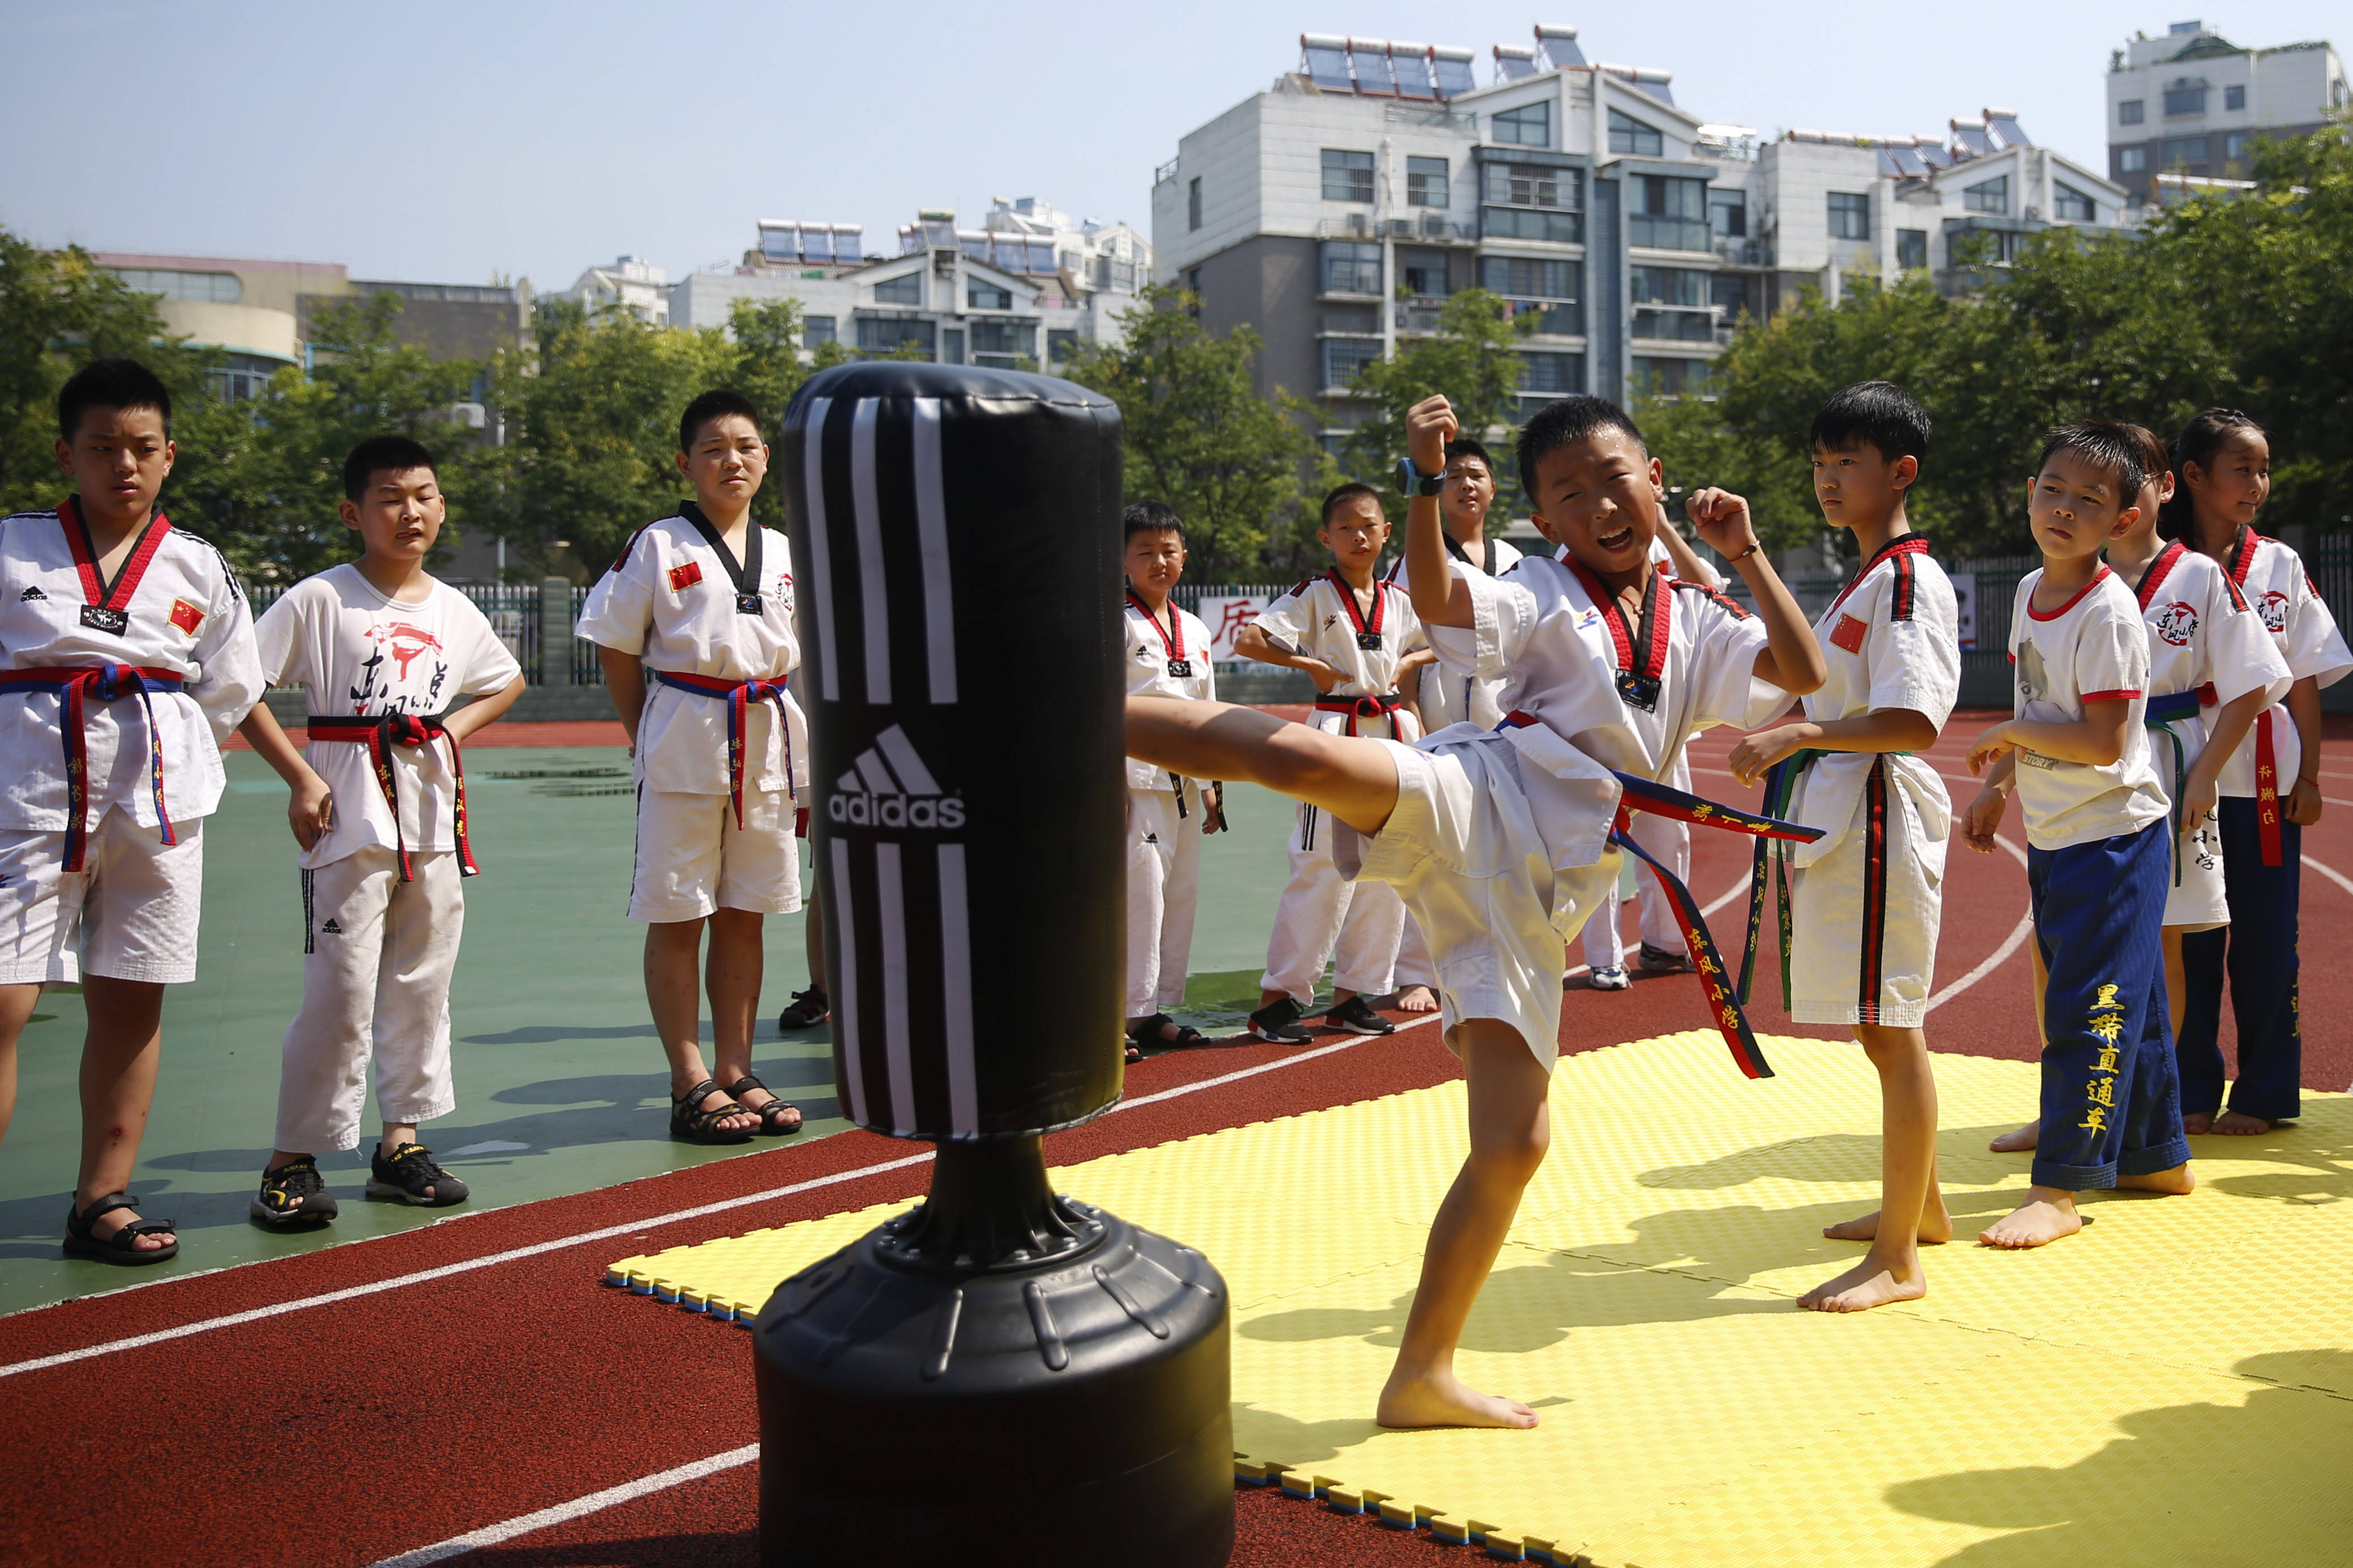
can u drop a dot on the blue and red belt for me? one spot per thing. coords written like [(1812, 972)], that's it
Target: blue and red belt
[(1639, 794), (380, 735), (76, 687), (2161, 714), (739, 696), (1356, 708)]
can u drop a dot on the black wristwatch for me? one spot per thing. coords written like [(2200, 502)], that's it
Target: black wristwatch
[(1414, 482)]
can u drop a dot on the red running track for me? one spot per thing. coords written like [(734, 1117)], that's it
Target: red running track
[(390, 1394)]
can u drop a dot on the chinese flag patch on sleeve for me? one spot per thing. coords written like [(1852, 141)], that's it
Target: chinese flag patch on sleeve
[(186, 616), (684, 577), (1849, 634)]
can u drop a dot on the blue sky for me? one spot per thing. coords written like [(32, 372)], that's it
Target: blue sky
[(444, 142)]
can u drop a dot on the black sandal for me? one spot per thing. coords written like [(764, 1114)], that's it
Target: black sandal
[(123, 1247), (771, 1113), (1148, 1033), (689, 1124)]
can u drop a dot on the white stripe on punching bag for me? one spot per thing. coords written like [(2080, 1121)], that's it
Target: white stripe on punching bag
[(873, 587), (896, 1045), (932, 531), (841, 909), (820, 562), (956, 992)]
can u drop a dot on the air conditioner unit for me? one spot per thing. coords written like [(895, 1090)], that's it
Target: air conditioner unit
[(1358, 224), (1434, 226), (1400, 228)]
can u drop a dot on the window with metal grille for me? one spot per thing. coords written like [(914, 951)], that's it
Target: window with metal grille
[(1343, 358), (1347, 176), (1350, 268), (1427, 184)]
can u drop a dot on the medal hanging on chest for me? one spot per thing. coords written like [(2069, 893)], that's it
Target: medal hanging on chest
[(108, 605), (1640, 648), (743, 577), (1172, 637), (1368, 627)]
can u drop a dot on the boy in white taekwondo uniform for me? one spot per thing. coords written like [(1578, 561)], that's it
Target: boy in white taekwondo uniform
[(1168, 813), (1500, 840), (704, 602), (379, 810), (126, 655), (2212, 667), (1860, 906), (2099, 845), (2270, 785), (1351, 632)]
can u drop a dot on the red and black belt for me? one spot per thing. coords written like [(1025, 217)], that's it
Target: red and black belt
[(1356, 708), (77, 686), (380, 735), (1639, 794), (739, 696)]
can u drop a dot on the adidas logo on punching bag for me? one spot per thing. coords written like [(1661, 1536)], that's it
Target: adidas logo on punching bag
[(888, 786)]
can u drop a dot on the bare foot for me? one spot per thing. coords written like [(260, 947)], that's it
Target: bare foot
[(1443, 1401), (1870, 1283), (2038, 1222), (1414, 999), (2175, 1181), (2198, 1122), (1935, 1225), (2022, 1142), (2231, 1124)]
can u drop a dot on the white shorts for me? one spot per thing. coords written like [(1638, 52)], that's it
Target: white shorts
[(1840, 974), (693, 861), (2196, 903), (1462, 850), (131, 913)]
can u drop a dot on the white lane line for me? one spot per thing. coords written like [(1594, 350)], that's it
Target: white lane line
[(578, 1507), (512, 1255), (2331, 872)]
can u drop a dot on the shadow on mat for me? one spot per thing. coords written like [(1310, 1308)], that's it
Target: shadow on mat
[(2258, 1482), (717, 1549), (1525, 1308)]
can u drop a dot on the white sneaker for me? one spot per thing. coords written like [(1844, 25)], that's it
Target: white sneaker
[(1612, 978)]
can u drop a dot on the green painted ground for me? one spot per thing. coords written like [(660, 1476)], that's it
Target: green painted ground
[(561, 1087)]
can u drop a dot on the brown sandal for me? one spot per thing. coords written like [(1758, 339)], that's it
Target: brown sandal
[(692, 1119)]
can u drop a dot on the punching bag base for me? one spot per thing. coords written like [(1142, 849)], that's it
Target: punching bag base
[(1010, 1415)]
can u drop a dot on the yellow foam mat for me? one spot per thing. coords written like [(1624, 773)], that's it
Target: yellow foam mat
[(2173, 1385)]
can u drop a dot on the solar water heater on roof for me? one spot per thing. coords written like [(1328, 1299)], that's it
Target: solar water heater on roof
[(1326, 61), (1452, 65), (2002, 125), (1411, 62), (1514, 64), (1370, 57), (1905, 156), (1970, 139), (1559, 46)]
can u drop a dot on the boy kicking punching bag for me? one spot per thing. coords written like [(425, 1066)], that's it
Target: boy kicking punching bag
[(1001, 1374)]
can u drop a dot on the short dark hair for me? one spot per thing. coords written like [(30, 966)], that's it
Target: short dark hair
[(1342, 494), (2146, 445), (716, 404), (2100, 442), (1152, 517), (2199, 439), (118, 384), (1879, 412), (1463, 446), (1557, 424), (382, 455)]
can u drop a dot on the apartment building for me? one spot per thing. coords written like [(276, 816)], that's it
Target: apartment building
[(2191, 103)]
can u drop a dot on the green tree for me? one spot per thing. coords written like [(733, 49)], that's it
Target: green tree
[(59, 310), (1198, 437), (1472, 357)]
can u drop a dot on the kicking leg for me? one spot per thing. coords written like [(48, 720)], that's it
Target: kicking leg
[(1510, 1129), (1350, 776), (1911, 1208)]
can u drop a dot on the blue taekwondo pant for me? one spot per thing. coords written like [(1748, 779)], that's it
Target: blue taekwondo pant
[(2111, 1098), (2259, 949)]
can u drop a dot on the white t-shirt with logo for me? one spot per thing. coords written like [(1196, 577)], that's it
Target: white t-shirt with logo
[(2090, 649), (2203, 637), (360, 655), (2272, 579)]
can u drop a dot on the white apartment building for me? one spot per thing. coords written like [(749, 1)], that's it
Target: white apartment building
[(1028, 285), (2191, 103), (632, 283)]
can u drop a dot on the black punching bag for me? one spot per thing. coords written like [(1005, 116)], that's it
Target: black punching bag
[(1002, 1375)]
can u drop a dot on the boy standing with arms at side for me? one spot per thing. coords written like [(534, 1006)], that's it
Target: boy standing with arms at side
[(2099, 839), (126, 656), (384, 650), (1168, 813), (703, 600), (1859, 948), (1349, 631)]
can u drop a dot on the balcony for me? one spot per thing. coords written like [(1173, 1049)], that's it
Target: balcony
[(1348, 323), (1166, 172), (1744, 252), (1428, 229), (1419, 314), (1667, 233)]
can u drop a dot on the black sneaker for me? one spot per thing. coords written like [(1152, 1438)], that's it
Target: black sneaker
[(1357, 1016), (1277, 1023), (1658, 960), (294, 1193), (808, 1010), (408, 1173)]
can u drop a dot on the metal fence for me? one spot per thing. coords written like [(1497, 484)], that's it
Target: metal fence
[(519, 615)]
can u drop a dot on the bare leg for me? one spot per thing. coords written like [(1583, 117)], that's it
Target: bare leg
[(119, 1058), (732, 976), (16, 1003), (2024, 1140), (1351, 777), (673, 954), (1511, 1126), (1911, 1209)]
